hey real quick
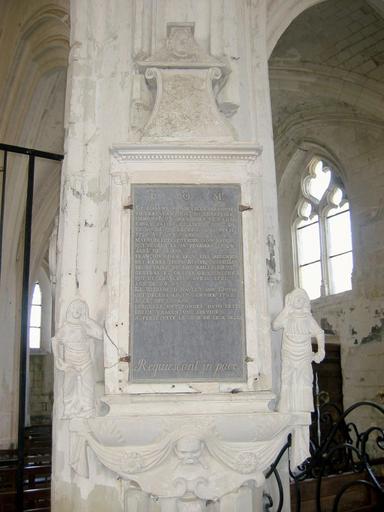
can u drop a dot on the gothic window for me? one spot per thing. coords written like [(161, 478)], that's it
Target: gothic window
[(322, 233), (35, 318)]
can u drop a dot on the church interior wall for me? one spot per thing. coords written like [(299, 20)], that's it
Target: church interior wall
[(321, 104), (327, 100), (34, 42)]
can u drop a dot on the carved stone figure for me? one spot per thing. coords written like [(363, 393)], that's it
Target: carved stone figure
[(188, 449), (296, 375), (74, 351)]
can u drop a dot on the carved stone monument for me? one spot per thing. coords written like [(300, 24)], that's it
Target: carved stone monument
[(167, 238)]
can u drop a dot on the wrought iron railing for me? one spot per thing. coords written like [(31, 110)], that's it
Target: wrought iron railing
[(343, 450)]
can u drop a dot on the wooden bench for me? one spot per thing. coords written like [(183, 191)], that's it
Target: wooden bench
[(37, 481), (37, 498), (37, 476), (357, 498), (38, 440), (8, 501), (8, 478)]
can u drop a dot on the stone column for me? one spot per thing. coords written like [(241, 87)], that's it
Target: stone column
[(178, 92), (98, 87)]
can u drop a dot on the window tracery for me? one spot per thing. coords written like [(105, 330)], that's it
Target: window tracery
[(322, 233)]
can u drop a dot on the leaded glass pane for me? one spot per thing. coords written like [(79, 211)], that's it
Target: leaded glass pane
[(339, 233), (34, 337), (340, 270), (36, 297), (35, 319), (310, 279), (308, 243)]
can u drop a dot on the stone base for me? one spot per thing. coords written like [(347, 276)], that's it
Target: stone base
[(208, 446)]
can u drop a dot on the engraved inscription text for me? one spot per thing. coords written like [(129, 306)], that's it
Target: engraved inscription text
[(186, 283)]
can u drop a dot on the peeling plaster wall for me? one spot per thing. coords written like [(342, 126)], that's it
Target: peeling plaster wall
[(358, 324)]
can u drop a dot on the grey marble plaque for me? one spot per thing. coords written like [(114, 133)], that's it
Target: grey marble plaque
[(187, 293)]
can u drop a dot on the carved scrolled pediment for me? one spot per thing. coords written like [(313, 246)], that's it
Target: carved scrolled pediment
[(184, 80)]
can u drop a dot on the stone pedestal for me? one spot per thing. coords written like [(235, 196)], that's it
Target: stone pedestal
[(194, 449)]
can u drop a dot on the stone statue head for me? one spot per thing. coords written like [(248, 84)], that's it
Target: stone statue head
[(298, 300), (188, 449), (77, 312)]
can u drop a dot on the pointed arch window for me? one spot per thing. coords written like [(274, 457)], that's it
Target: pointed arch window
[(35, 318), (322, 233)]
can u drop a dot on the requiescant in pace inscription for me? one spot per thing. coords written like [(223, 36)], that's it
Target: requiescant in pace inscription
[(187, 290)]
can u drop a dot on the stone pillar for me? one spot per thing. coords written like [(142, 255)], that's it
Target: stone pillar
[(163, 92)]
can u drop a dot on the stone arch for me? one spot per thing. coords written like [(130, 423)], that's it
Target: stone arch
[(41, 48), (358, 92), (291, 136), (280, 15), (36, 73)]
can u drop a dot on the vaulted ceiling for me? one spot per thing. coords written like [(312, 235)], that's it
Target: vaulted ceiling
[(329, 66)]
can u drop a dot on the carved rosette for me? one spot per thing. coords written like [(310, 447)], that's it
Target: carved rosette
[(184, 80)]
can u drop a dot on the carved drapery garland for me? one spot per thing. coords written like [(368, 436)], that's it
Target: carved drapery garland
[(196, 457)]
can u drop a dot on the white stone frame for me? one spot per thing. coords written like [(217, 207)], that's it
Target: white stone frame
[(323, 206), (209, 164)]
